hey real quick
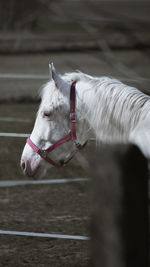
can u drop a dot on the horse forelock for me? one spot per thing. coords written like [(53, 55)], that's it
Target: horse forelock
[(51, 96), (49, 93)]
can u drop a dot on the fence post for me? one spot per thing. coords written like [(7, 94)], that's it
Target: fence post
[(119, 207)]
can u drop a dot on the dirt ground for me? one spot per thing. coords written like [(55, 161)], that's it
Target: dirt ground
[(59, 209)]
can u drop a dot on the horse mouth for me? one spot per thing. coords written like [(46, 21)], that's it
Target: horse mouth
[(28, 171)]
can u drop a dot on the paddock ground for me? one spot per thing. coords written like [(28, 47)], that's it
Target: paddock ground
[(53, 208)]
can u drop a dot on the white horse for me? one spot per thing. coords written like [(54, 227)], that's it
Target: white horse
[(117, 113)]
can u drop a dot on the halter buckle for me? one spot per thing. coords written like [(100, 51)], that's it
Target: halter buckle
[(43, 153), (73, 117)]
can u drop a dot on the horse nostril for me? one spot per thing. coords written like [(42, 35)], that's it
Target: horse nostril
[(23, 165)]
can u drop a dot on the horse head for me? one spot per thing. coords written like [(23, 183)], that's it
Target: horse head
[(51, 132)]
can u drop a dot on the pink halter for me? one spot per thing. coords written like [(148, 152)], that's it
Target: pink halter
[(70, 136)]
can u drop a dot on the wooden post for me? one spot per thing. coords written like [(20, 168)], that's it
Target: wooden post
[(119, 228)]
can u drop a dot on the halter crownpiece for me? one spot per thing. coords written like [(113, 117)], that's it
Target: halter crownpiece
[(70, 136)]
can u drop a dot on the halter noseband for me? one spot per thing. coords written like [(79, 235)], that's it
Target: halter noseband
[(70, 136)]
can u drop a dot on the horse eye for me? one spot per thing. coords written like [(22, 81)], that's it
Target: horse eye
[(46, 114)]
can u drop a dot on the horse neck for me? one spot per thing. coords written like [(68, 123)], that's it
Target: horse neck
[(106, 109)]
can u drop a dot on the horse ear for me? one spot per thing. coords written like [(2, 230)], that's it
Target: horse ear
[(50, 72), (59, 82)]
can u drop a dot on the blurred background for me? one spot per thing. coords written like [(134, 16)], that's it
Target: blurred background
[(98, 37)]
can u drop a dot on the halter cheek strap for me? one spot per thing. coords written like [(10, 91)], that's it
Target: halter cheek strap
[(70, 136)]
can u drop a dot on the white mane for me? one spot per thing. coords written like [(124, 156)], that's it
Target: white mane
[(116, 108)]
